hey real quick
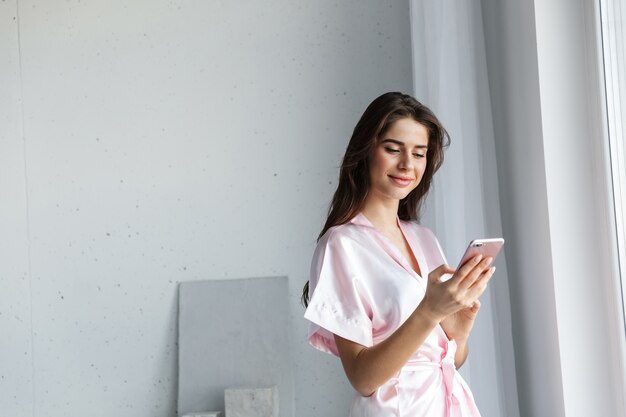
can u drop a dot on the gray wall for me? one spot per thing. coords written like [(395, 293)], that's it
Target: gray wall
[(148, 143)]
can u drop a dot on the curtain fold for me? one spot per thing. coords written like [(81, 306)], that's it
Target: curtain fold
[(450, 77)]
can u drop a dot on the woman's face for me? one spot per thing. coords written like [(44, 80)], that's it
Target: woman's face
[(398, 162)]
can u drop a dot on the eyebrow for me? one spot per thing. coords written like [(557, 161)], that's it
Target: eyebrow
[(400, 143)]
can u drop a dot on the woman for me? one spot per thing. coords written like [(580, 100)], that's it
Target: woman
[(382, 297)]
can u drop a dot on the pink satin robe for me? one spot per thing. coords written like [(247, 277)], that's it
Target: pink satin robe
[(362, 289)]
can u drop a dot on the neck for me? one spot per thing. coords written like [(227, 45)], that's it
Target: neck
[(381, 213)]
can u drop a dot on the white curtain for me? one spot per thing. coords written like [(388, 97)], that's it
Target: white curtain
[(450, 77)]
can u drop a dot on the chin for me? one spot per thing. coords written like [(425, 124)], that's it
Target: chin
[(395, 193), (398, 195), (405, 195)]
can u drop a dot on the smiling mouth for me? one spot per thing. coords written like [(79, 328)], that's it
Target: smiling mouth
[(401, 181)]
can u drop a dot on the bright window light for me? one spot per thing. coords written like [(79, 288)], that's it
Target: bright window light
[(613, 15)]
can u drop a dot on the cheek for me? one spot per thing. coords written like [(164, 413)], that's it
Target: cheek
[(421, 169), (379, 158), (379, 163)]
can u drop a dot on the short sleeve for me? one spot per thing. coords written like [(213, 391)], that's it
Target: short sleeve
[(339, 302)]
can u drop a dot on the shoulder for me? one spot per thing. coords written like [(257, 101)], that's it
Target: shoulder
[(355, 236), (345, 235), (340, 254)]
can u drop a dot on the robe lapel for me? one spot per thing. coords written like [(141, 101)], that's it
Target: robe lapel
[(416, 247), (394, 252)]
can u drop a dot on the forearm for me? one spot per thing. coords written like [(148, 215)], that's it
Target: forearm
[(371, 367)]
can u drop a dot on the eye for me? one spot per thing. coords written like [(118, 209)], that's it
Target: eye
[(419, 155), (391, 150)]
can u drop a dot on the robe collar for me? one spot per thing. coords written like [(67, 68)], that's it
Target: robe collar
[(361, 220), (393, 251)]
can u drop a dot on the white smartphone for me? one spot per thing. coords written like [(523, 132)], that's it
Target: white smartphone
[(486, 247)]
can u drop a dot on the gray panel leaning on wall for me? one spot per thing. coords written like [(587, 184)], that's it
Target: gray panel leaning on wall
[(233, 333)]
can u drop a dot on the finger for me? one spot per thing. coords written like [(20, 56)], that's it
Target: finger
[(480, 284), (435, 274), (476, 272), (473, 308), (466, 269)]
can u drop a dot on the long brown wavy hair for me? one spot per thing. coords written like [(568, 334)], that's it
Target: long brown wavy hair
[(354, 179)]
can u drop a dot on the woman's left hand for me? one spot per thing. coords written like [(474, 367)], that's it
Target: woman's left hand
[(458, 326)]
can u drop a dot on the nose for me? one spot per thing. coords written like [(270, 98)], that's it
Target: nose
[(405, 161)]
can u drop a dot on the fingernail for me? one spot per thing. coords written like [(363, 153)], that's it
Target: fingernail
[(493, 269)]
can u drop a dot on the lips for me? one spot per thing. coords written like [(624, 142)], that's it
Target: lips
[(401, 181)]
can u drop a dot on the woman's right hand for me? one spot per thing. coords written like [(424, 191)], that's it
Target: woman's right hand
[(443, 298)]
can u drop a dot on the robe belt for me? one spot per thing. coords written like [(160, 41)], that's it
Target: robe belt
[(448, 370)]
